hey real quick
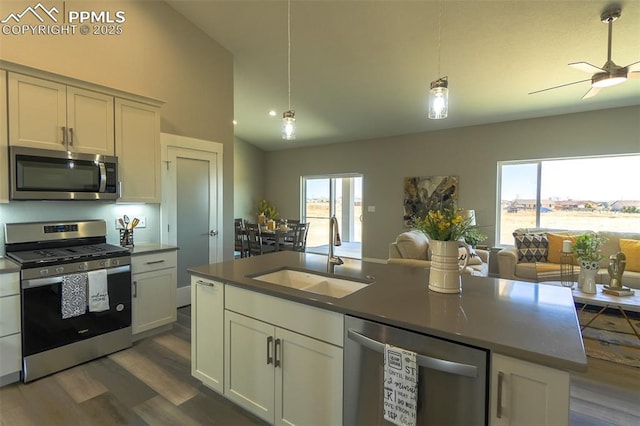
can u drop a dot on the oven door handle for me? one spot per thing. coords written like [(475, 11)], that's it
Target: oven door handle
[(39, 282), (422, 360)]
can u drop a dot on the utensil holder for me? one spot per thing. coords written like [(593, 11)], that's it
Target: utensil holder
[(126, 237)]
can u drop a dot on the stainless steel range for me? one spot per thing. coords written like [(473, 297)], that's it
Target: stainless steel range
[(75, 293)]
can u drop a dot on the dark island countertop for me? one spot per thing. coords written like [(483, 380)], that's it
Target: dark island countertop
[(527, 321)]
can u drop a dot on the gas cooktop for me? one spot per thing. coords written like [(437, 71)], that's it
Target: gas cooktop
[(64, 254)]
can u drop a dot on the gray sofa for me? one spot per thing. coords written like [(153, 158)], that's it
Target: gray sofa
[(412, 249), (532, 270)]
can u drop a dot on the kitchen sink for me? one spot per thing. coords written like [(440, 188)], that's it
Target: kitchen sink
[(312, 282)]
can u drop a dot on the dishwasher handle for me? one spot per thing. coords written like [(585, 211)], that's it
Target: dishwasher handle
[(422, 360)]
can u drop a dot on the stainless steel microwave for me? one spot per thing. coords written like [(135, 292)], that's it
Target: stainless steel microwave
[(40, 174)]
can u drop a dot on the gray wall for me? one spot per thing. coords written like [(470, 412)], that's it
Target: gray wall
[(248, 179), (470, 153), (159, 55)]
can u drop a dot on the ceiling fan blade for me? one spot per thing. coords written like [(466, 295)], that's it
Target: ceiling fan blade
[(592, 92), (557, 87), (586, 67), (634, 66)]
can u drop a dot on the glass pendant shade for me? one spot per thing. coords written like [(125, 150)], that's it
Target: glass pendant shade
[(439, 99), (289, 125)]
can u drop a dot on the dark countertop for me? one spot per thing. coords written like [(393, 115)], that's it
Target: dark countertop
[(532, 322), (148, 248)]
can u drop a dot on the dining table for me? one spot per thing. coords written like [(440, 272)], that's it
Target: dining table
[(276, 236)]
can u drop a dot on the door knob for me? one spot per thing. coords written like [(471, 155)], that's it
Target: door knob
[(213, 233)]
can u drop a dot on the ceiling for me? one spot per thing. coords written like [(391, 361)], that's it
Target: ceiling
[(361, 69)]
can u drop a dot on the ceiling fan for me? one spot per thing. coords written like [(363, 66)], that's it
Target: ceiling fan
[(609, 74)]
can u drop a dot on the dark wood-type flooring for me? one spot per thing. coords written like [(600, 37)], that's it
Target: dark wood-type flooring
[(151, 384)]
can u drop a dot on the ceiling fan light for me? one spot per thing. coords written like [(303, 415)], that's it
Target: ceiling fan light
[(613, 78), (439, 99), (289, 125)]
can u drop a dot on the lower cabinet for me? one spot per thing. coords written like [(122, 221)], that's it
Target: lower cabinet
[(207, 332), (10, 338), (524, 394), (281, 376), (154, 281)]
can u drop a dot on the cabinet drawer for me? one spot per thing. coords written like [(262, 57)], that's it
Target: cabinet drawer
[(9, 315), (10, 354), (9, 284), (308, 320), (153, 261)]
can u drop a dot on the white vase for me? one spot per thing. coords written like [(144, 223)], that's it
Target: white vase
[(587, 278), (444, 273)]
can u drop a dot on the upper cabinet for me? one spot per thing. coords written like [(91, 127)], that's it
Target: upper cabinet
[(138, 151), (4, 161), (51, 115)]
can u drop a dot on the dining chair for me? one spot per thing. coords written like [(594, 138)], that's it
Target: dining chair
[(299, 235), (241, 243), (254, 238)]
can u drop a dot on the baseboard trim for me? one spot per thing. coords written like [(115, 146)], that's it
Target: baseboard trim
[(183, 296)]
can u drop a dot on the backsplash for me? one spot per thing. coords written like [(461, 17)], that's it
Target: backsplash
[(43, 211)]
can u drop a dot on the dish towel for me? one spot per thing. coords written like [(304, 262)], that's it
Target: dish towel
[(74, 295), (400, 386), (98, 291)]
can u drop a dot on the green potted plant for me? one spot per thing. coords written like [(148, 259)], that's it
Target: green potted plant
[(267, 209), (587, 250)]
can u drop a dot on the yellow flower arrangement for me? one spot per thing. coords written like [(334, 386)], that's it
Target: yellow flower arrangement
[(444, 225)]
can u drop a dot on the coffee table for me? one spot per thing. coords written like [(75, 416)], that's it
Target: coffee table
[(622, 303)]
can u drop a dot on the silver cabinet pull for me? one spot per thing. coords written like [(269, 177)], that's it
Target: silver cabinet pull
[(208, 284), (269, 353), (422, 360), (275, 352), (70, 136), (135, 289), (499, 402), (153, 262), (64, 135)]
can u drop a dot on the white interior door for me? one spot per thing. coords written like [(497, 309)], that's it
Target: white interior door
[(192, 204)]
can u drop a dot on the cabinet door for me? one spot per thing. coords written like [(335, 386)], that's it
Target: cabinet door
[(9, 315), (37, 112), (10, 354), (249, 372), (308, 381), (138, 150), (207, 332), (90, 122), (524, 394), (4, 140), (154, 299)]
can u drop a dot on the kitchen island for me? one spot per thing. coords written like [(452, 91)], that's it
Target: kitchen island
[(533, 324)]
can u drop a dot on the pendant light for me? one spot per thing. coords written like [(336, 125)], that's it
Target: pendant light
[(289, 116), (439, 90)]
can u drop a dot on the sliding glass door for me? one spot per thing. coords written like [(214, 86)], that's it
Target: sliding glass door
[(326, 196)]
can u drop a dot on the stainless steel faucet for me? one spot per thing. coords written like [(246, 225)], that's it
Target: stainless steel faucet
[(334, 240)]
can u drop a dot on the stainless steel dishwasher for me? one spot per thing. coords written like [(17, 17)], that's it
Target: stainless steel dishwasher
[(452, 378)]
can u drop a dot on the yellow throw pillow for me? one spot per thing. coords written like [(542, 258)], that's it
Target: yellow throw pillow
[(555, 246), (631, 249)]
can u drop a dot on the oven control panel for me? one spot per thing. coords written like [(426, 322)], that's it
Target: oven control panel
[(68, 227)]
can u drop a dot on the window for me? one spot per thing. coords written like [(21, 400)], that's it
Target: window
[(596, 193), (325, 196)]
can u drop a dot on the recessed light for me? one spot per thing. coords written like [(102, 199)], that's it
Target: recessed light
[(234, 122), (272, 113)]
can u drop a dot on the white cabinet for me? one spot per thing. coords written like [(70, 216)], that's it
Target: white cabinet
[(524, 394), (4, 140), (278, 364), (154, 285), (10, 339), (138, 150), (51, 115), (207, 332)]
